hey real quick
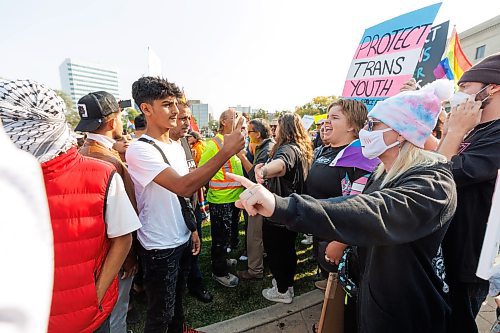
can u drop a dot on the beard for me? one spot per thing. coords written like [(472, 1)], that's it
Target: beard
[(483, 96)]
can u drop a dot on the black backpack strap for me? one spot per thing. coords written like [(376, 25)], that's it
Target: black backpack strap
[(186, 207)]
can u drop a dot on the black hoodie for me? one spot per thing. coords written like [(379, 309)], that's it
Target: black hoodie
[(475, 171), (398, 230)]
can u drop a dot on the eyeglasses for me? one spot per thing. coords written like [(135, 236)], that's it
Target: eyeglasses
[(251, 131), (370, 123)]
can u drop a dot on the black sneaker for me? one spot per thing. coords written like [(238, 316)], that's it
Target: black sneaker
[(202, 295)]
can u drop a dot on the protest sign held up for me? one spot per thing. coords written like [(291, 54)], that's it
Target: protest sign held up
[(387, 55), (431, 54)]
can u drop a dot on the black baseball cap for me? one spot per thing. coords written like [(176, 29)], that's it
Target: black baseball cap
[(93, 108)]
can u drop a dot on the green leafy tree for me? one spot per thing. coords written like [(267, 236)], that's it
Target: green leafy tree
[(318, 105), (129, 114), (213, 125), (261, 113), (72, 117)]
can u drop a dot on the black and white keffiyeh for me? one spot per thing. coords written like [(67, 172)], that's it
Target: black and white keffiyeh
[(33, 117)]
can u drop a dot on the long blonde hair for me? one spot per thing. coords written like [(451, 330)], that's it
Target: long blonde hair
[(409, 157)]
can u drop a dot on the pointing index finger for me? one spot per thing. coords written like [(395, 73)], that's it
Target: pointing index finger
[(247, 183)]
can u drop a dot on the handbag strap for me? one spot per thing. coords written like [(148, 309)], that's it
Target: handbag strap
[(182, 201)]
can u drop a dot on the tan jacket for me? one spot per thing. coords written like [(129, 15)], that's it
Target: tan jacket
[(94, 149)]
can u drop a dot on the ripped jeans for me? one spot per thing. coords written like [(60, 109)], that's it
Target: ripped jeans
[(165, 273)]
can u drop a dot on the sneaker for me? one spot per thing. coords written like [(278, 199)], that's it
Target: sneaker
[(321, 285), (229, 280), (290, 289), (246, 275), (273, 295), (231, 262), (202, 295), (243, 258), (228, 250), (308, 240)]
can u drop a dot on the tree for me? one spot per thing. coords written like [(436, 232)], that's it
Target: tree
[(129, 114), (72, 117), (213, 125), (318, 105), (261, 113)]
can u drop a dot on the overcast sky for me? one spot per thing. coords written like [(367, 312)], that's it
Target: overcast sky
[(273, 54)]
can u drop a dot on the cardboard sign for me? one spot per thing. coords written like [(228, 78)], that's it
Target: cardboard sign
[(489, 261), (387, 56), (431, 54), (307, 121)]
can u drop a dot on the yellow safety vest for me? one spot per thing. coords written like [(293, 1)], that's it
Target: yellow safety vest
[(222, 189)]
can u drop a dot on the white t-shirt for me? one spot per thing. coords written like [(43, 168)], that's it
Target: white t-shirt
[(120, 217), (163, 226), (26, 243)]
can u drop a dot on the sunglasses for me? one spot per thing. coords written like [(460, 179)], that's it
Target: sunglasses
[(370, 123)]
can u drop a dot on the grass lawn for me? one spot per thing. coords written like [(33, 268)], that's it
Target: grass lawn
[(246, 297)]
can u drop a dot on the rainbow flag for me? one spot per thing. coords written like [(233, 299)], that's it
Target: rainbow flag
[(455, 63)]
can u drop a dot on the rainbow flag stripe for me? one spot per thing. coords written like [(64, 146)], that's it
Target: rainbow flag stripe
[(455, 63)]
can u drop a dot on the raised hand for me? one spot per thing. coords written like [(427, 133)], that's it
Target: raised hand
[(234, 142), (464, 117)]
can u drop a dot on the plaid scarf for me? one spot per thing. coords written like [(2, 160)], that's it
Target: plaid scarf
[(33, 117)]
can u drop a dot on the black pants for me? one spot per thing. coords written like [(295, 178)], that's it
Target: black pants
[(165, 273), (223, 217), (465, 302), (195, 278), (279, 244)]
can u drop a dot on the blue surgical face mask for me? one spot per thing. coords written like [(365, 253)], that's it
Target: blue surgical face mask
[(460, 97)]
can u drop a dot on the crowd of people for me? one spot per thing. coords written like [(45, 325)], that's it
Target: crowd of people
[(399, 195)]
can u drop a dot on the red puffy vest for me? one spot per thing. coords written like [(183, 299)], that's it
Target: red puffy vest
[(76, 191)]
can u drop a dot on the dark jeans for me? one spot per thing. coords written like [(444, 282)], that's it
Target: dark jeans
[(279, 244), (223, 217), (195, 279), (165, 273), (104, 328), (465, 302)]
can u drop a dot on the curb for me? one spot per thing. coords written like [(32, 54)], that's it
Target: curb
[(264, 316)]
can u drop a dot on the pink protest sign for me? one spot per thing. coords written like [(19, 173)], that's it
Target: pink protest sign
[(387, 56)]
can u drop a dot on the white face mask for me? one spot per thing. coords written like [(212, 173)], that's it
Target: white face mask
[(373, 144), (460, 97)]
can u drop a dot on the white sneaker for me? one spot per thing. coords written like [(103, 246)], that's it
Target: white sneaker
[(229, 280), (275, 285), (228, 250), (243, 258), (308, 240), (231, 262), (273, 295)]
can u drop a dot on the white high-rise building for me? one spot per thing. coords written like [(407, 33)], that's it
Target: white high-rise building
[(79, 78)]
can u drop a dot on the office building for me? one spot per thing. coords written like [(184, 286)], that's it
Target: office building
[(481, 40), (200, 112), (79, 78)]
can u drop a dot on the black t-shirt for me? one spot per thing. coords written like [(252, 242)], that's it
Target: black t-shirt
[(293, 180), (325, 181)]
